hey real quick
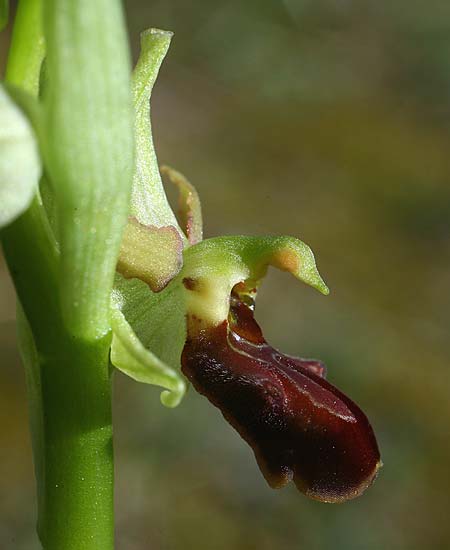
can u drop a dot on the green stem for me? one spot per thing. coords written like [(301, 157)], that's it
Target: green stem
[(78, 456), (32, 258), (69, 391), (68, 376), (27, 47)]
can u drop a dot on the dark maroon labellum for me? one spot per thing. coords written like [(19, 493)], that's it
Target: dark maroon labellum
[(299, 426)]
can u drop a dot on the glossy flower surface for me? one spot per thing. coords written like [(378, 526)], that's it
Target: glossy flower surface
[(299, 426)]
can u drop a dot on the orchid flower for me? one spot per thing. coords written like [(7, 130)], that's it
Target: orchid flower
[(106, 273), (180, 301)]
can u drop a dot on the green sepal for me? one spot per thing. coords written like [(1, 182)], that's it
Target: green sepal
[(20, 164), (149, 203), (152, 242), (148, 335)]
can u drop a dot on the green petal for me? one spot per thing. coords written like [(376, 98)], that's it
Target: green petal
[(189, 207), (152, 254), (20, 165), (148, 335)]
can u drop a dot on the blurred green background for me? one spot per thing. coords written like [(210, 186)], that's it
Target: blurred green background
[(327, 120)]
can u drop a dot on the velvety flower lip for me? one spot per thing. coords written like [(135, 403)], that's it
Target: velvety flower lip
[(299, 426)]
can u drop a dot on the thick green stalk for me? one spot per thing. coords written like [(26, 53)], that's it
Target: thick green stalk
[(78, 480), (67, 363), (27, 47), (69, 389)]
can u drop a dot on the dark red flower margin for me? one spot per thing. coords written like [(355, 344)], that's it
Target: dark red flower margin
[(299, 426)]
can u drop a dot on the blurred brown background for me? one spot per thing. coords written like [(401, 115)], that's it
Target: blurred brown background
[(327, 120)]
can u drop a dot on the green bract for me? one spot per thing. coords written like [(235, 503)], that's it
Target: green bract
[(88, 150), (20, 165)]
